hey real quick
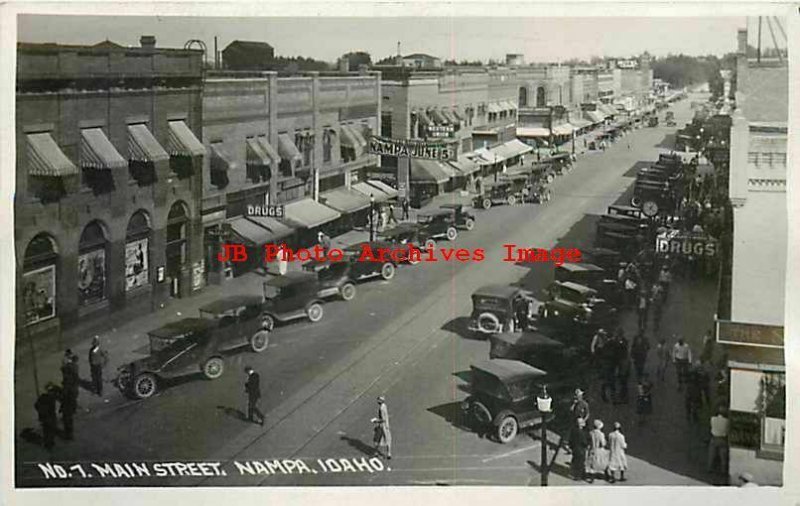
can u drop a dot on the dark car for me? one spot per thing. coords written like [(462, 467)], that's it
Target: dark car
[(368, 267), (530, 185), (562, 162), (571, 303), (408, 234), (335, 278), (503, 397), (628, 211), (438, 223), (462, 217), (292, 296), (493, 308), (179, 348), (563, 361), (498, 192), (590, 275), (604, 257), (239, 320)]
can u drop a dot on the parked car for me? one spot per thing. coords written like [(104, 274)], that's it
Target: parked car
[(462, 217), (292, 296), (571, 303), (368, 269), (493, 308), (179, 348), (628, 211), (560, 360), (586, 274), (652, 121), (503, 397), (530, 186), (409, 234), (438, 223), (335, 278), (562, 162), (498, 192), (239, 320), (604, 257)]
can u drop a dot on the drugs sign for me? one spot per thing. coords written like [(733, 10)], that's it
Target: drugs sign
[(686, 245), (410, 148)]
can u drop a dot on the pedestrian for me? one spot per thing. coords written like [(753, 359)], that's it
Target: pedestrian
[(324, 242), (623, 363), (663, 359), (578, 442), (98, 359), (681, 357), (579, 408), (703, 373), (639, 351), (692, 395), (630, 289), (46, 409), (383, 433), (253, 389), (644, 399), (392, 218), (718, 444), (657, 303), (746, 480), (608, 360), (68, 407), (520, 314), (617, 460), (707, 351), (665, 280), (597, 455), (70, 379), (406, 204), (596, 348), (642, 309)]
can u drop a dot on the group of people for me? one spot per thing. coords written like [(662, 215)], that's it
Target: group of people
[(595, 454)]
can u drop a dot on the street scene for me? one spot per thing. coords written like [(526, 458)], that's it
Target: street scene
[(589, 304)]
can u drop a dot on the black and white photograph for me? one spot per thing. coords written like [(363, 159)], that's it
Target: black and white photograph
[(371, 251)]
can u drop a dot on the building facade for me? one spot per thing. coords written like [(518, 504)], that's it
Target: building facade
[(108, 180)]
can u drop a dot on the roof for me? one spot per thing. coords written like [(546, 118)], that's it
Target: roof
[(292, 278), (434, 212), (420, 55), (181, 327), (508, 370), (374, 245), (248, 44), (578, 288), (401, 228), (452, 205), (526, 339), (496, 291), (232, 302), (569, 266)]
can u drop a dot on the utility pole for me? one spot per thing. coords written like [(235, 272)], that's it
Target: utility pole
[(758, 50)]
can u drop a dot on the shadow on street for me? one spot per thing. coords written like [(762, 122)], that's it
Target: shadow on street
[(359, 445)]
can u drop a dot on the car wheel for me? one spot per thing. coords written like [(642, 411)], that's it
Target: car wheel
[(507, 429), (213, 368), (348, 291), (452, 233), (314, 312), (489, 322), (268, 321), (387, 271), (469, 224), (511, 200), (430, 244), (481, 413), (260, 341), (487, 203), (550, 178), (144, 386)]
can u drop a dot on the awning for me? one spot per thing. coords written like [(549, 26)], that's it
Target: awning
[(344, 200), (220, 159), (269, 150), (142, 146), (277, 229), (287, 150), (511, 105), (359, 136), (182, 141), (385, 188), (563, 129), (608, 110), (458, 114), (450, 116), (369, 190), (213, 217), (533, 132), (487, 157), (465, 165), (430, 171), (494, 107), (256, 154), (511, 149), (249, 231), (485, 131), (309, 213), (580, 123), (349, 140), (46, 158), (595, 116), (438, 117), (98, 152), (423, 118)]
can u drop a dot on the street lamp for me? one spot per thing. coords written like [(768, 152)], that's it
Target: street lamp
[(371, 217), (544, 405)]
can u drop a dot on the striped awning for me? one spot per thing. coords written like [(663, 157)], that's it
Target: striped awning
[(458, 114), (349, 140), (46, 158), (97, 151), (423, 118), (143, 147), (309, 213), (563, 129), (511, 105), (430, 171), (385, 188), (256, 154), (494, 107), (182, 141), (438, 117), (287, 150), (268, 149), (345, 200), (533, 132), (450, 116), (359, 136), (221, 160)]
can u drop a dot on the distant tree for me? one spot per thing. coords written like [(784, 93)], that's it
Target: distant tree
[(389, 60), (357, 58)]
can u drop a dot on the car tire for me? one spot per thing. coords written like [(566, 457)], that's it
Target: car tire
[(144, 386), (213, 368), (469, 224), (507, 429), (511, 200), (452, 233), (550, 178), (430, 245), (314, 312), (487, 203), (259, 341), (388, 271), (269, 321), (480, 413), (348, 291), (494, 324)]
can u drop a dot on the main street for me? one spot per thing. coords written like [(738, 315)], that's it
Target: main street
[(401, 339)]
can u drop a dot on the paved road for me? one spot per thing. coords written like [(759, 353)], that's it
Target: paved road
[(399, 339)]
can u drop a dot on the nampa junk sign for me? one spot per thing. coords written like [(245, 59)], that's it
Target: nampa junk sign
[(686, 245), (409, 148)]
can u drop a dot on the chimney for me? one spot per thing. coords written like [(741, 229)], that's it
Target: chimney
[(742, 40), (147, 42)]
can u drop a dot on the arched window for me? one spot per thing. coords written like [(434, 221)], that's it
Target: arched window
[(177, 222), (541, 97), (92, 264), (523, 96), (39, 279), (137, 251)]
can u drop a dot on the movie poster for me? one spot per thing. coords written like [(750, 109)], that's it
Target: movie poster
[(92, 277), (39, 292), (136, 264)]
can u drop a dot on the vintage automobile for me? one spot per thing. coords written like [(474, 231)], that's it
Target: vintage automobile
[(292, 296), (590, 275), (493, 308), (562, 162), (498, 192), (179, 348), (652, 121), (620, 210), (408, 234), (561, 360), (544, 171), (625, 242), (239, 321), (571, 303), (462, 217), (519, 184), (502, 397), (621, 225), (335, 278), (604, 257), (530, 184), (361, 268), (438, 223)]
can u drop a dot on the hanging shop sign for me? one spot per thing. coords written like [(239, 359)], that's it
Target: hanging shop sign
[(439, 131), (39, 294), (676, 243), (270, 210), (410, 148)]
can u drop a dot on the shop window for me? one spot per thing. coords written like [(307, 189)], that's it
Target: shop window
[(386, 124), (177, 225), (39, 279), (523, 96), (92, 265), (541, 97), (137, 251), (772, 408)]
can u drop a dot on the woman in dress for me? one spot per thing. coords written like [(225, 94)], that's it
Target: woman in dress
[(617, 460), (597, 457)]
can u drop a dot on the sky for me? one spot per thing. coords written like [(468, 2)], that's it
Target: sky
[(459, 38)]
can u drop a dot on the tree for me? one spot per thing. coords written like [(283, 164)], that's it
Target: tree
[(357, 58)]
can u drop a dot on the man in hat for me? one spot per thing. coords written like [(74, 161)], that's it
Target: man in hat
[(578, 442), (70, 379), (383, 433), (98, 358), (406, 206), (253, 388), (324, 242), (580, 408), (46, 409)]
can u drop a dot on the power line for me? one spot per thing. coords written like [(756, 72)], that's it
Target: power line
[(774, 41)]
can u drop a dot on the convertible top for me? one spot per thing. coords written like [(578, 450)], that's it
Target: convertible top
[(292, 278), (526, 339), (177, 329), (232, 302), (435, 212), (573, 267), (502, 291), (508, 370)]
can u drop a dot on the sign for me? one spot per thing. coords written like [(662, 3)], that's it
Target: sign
[(749, 333), (92, 276), (410, 148), (268, 210), (198, 275), (39, 292), (136, 264), (441, 130), (160, 274), (686, 244)]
